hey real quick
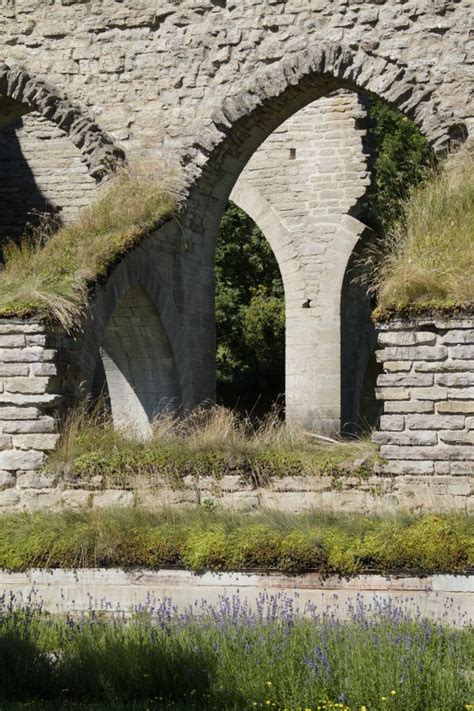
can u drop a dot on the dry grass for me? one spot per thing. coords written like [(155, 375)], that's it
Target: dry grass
[(208, 441), (428, 255), (50, 276)]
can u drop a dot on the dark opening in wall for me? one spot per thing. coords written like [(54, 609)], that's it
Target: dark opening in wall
[(250, 316)]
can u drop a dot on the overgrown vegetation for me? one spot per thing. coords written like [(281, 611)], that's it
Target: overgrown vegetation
[(211, 442), (228, 656), (49, 275), (427, 258), (197, 538)]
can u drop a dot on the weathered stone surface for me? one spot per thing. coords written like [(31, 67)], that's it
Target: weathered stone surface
[(455, 380), (439, 452), (42, 425), (446, 366), (456, 337), (113, 497), (409, 406), (392, 423), (407, 338), (461, 352), (392, 394), (12, 341), (434, 422), (455, 406), (76, 499), (10, 498), (27, 386), (458, 437), (397, 365), (7, 480), (413, 353), (406, 438), (15, 459), (409, 467), (402, 380), (19, 413), (35, 480), (40, 441), (13, 369)]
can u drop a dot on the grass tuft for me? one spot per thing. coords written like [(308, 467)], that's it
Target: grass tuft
[(50, 276), (208, 441), (426, 261)]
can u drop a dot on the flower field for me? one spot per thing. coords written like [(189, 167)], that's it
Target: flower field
[(228, 656)]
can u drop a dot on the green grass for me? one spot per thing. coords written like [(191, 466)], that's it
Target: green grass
[(229, 657), (428, 254), (210, 442), (50, 275), (198, 539)]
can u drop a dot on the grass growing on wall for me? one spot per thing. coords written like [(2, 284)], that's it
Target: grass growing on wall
[(210, 442), (428, 259), (197, 539), (49, 275)]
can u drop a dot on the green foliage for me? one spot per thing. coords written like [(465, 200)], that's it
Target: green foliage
[(50, 275), (200, 539), (403, 158), (228, 657), (210, 442), (427, 258), (249, 307)]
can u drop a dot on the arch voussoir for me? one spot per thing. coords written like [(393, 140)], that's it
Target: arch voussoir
[(98, 150)]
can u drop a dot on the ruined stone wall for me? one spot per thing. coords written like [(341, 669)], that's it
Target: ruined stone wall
[(41, 171), (153, 72), (299, 187), (428, 393)]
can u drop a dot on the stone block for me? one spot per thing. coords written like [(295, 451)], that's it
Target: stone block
[(39, 500), (15, 459), (35, 480), (406, 338), (5, 442), (415, 437), (434, 393), (393, 366), (413, 353), (392, 423), (392, 394), (47, 399), (22, 355), (7, 480), (21, 328), (12, 341), (455, 380), (43, 442), (113, 497), (13, 369), (459, 336), (9, 498), (18, 413), (461, 394), (435, 422), (440, 452), (459, 437), (76, 499), (418, 406), (461, 352), (408, 467), (403, 380), (43, 369), (26, 386), (445, 366), (458, 468), (456, 407), (469, 424), (43, 425)]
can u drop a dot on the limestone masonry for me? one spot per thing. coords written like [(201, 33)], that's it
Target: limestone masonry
[(263, 102)]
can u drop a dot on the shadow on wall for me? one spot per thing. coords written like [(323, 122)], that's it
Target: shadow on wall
[(137, 372), (21, 201), (360, 410)]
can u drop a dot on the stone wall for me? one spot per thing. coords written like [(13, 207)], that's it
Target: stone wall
[(27, 401), (303, 187), (428, 393)]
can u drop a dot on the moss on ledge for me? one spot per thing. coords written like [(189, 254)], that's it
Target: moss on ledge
[(428, 310)]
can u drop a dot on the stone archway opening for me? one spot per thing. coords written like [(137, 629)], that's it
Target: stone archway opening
[(138, 364), (319, 261), (250, 318)]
